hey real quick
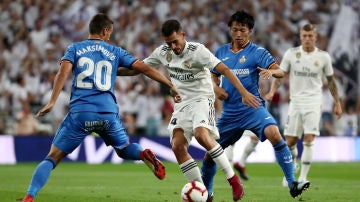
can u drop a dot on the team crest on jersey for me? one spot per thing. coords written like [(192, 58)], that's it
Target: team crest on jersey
[(187, 64), (316, 63), (242, 59), (298, 55), (168, 57)]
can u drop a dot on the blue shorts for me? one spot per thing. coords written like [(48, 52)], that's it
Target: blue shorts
[(76, 126), (255, 120)]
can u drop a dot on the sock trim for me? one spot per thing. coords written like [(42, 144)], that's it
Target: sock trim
[(216, 152), (189, 166), (51, 160)]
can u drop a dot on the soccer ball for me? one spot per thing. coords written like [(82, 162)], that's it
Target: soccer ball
[(194, 191)]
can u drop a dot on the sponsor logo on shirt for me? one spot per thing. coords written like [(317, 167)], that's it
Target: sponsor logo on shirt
[(241, 72)]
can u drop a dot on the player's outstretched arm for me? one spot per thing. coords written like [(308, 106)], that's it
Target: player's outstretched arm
[(59, 82), (247, 97), (122, 71), (153, 73), (273, 71)]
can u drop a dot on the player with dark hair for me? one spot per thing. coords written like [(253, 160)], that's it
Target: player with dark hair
[(189, 65), (249, 62), (93, 64), (306, 66)]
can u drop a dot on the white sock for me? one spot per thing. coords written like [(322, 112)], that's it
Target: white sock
[(294, 154), (294, 151), (306, 159), (218, 155), (249, 148), (230, 152), (191, 170)]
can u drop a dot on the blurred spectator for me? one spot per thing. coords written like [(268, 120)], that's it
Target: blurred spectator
[(39, 36), (19, 94), (348, 124), (59, 110), (26, 123)]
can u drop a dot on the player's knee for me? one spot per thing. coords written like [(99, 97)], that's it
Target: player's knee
[(179, 148)]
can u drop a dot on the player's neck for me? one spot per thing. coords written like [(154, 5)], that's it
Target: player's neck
[(308, 49), (236, 47), (95, 37)]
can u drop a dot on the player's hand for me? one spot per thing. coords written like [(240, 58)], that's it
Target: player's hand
[(220, 93), (265, 73), (176, 95), (250, 100), (46, 109), (338, 110), (269, 96)]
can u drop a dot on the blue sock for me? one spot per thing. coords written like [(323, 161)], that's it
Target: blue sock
[(131, 152), (41, 175), (208, 171), (284, 158)]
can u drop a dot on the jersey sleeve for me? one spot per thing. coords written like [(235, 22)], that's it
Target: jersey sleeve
[(153, 58), (206, 57), (328, 69), (216, 73), (265, 59), (69, 54), (285, 62), (126, 58)]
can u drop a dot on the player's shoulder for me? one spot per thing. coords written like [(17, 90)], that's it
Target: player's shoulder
[(194, 46), (294, 49), (163, 48), (319, 51), (255, 47)]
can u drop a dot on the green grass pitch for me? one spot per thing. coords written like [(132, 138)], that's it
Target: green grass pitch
[(80, 182)]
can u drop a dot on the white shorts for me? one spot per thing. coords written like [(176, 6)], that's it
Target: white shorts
[(248, 133), (200, 113), (303, 120)]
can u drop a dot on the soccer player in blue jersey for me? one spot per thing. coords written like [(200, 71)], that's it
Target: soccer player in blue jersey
[(93, 108), (249, 62)]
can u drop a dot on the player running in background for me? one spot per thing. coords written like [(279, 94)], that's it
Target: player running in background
[(189, 65), (306, 66), (93, 108), (248, 149), (249, 62)]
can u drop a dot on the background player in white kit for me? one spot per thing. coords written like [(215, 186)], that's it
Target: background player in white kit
[(306, 66), (189, 64)]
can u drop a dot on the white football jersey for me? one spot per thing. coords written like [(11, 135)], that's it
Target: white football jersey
[(306, 71), (189, 71)]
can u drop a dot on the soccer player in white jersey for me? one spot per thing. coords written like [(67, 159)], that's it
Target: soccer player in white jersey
[(189, 65), (306, 66)]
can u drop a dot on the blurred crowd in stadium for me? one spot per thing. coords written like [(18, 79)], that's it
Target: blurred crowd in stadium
[(35, 33)]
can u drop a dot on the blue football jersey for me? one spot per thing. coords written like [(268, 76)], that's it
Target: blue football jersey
[(95, 64), (244, 65)]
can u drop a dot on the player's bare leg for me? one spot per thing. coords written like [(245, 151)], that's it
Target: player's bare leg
[(186, 163)]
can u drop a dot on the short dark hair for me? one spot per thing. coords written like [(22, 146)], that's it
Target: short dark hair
[(243, 18), (99, 22), (169, 27), (308, 27)]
